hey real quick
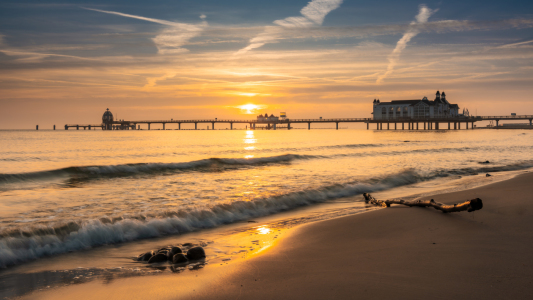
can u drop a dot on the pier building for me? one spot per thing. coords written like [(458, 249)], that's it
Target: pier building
[(107, 120), (266, 118), (415, 109)]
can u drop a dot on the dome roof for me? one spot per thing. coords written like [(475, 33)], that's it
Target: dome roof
[(107, 117)]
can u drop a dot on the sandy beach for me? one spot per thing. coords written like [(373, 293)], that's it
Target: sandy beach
[(398, 252)]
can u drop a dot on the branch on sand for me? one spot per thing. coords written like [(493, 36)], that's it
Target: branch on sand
[(470, 205)]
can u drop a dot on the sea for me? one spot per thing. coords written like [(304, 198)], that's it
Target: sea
[(77, 206)]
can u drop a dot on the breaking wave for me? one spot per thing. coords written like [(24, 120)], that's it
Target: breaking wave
[(20, 246), (146, 168), (23, 245)]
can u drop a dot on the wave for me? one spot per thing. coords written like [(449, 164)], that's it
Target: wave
[(492, 169), (23, 245), (146, 168), (20, 246)]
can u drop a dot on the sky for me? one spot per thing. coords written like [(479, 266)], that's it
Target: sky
[(67, 61)]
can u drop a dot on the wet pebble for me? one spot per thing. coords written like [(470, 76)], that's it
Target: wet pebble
[(158, 258), (195, 253), (145, 256), (179, 259)]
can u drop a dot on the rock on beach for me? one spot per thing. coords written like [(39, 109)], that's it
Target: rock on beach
[(195, 253)]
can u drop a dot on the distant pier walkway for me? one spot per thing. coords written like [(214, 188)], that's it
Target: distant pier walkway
[(453, 123)]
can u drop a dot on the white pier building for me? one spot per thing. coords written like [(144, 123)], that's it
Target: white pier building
[(415, 109)]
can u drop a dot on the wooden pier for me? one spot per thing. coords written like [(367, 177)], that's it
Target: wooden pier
[(454, 123)]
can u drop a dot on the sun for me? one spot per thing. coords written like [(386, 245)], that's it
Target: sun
[(249, 108)]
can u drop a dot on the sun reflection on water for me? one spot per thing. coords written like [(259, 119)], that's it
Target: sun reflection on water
[(249, 139), (263, 229)]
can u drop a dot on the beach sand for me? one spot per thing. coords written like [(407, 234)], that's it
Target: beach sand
[(396, 253)]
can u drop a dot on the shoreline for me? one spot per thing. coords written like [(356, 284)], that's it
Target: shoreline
[(397, 252)]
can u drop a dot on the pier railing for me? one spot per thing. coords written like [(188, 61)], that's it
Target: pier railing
[(519, 117), (244, 121)]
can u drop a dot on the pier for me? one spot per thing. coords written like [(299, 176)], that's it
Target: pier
[(421, 114), (451, 123)]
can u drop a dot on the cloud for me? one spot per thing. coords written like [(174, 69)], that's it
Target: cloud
[(515, 44), (38, 56), (312, 14), (153, 80), (169, 40), (423, 15), (317, 10)]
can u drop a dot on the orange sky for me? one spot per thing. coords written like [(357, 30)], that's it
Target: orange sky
[(322, 71)]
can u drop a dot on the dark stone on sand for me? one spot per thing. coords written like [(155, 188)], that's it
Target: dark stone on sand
[(485, 162), (179, 259), (173, 251), (195, 253), (487, 175), (145, 256), (159, 257), (187, 245)]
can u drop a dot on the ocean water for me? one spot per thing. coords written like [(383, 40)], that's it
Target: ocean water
[(69, 191)]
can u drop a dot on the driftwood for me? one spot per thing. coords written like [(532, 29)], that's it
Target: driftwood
[(470, 205)]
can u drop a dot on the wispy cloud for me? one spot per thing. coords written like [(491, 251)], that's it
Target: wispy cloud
[(169, 40), (152, 81), (312, 14), (423, 15), (37, 56), (515, 44)]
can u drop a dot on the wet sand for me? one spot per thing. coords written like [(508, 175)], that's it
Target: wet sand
[(398, 253)]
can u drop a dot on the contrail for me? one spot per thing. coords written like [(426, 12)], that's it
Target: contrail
[(515, 44), (170, 40), (312, 14), (163, 22), (423, 15)]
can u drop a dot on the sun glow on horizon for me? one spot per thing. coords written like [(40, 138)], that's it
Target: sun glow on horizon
[(250, 108)]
